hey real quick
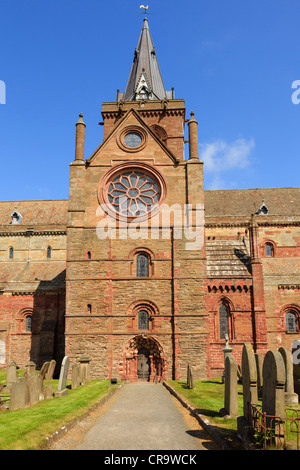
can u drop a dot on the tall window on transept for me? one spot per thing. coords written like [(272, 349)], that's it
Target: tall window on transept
[(49, 252), (11, 253), (291, 322), (223, 320), (142, 265), (143, 320)]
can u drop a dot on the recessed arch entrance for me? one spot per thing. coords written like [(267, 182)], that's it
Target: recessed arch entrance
[(143, 358)]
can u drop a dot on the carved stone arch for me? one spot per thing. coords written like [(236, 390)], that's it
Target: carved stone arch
[(134, 257), (133, 314), (160, 132), (22, 318), (130, 355)]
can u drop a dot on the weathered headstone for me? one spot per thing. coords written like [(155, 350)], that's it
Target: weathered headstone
[(62, 383), (76, 379), (47, 392), (2, 352), (227, 351), (291, 398), (11, 373), (249, 379), (259, 364), (84, 368), (44, 369), (50, 371), (231, 391), (273, 402), (19, 394), (34, 388), (30, 368), (190, 377)]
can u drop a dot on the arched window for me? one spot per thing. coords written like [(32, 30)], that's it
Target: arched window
[(223, 320), (143, 320), (89, 308), (11, 253), (142, 265), (291, 322), (49, 252), (269, 249), (28, 324), (89, 255)]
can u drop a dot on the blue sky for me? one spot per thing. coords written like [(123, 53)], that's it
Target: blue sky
[(232, 61)]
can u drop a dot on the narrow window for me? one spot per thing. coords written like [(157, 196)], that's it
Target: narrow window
[(223, 320), (89, 308), (11, 253), (142, 265), (89, 255), (290, 320), (49, 252), (28, 326), (269, 249), (143, 320)]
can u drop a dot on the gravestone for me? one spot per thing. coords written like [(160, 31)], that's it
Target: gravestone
[(84, 368), (189, 378), (34, 388), (76, 380), (2, 352), (62, 383), (291, 398), (44, 369), (50, 371), (273, 401), (259, 364), (11, 374), (227, 350), (30, 368), (47, 392), (249, 374), (19, 394), (231, 391)]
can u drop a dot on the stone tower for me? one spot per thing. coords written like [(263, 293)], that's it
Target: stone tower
[(136, 253)]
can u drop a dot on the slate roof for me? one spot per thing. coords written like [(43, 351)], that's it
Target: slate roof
[(244, 202), (43, 212)]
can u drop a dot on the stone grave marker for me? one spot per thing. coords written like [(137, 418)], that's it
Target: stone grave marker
[(50, 371), (231, 391), (19, 394), (291, 398), (30, 368), (249, 378), (62, 383), (76, 379), (44, 369), (11, 373), (84, 368), (273, 400)]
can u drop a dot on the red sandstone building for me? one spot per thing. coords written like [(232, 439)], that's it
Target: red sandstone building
[(115, 273)]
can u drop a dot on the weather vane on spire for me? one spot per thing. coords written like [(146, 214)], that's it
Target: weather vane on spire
[(145, 9)]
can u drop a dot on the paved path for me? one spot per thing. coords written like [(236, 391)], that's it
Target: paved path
[(145, 416)]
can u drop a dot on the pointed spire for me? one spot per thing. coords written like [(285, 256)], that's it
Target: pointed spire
[(145, 81)]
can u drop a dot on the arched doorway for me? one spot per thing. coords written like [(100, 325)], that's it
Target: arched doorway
[(143, 359)]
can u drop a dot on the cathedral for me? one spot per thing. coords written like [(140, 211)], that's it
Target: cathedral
[(142, 270)]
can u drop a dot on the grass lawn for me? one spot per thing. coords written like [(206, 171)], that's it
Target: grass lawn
[(27, 429), (207, 397)]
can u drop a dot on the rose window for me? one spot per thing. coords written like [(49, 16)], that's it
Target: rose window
[(133, 193)]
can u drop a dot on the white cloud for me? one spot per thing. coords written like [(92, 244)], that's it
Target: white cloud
[(220, 156)]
